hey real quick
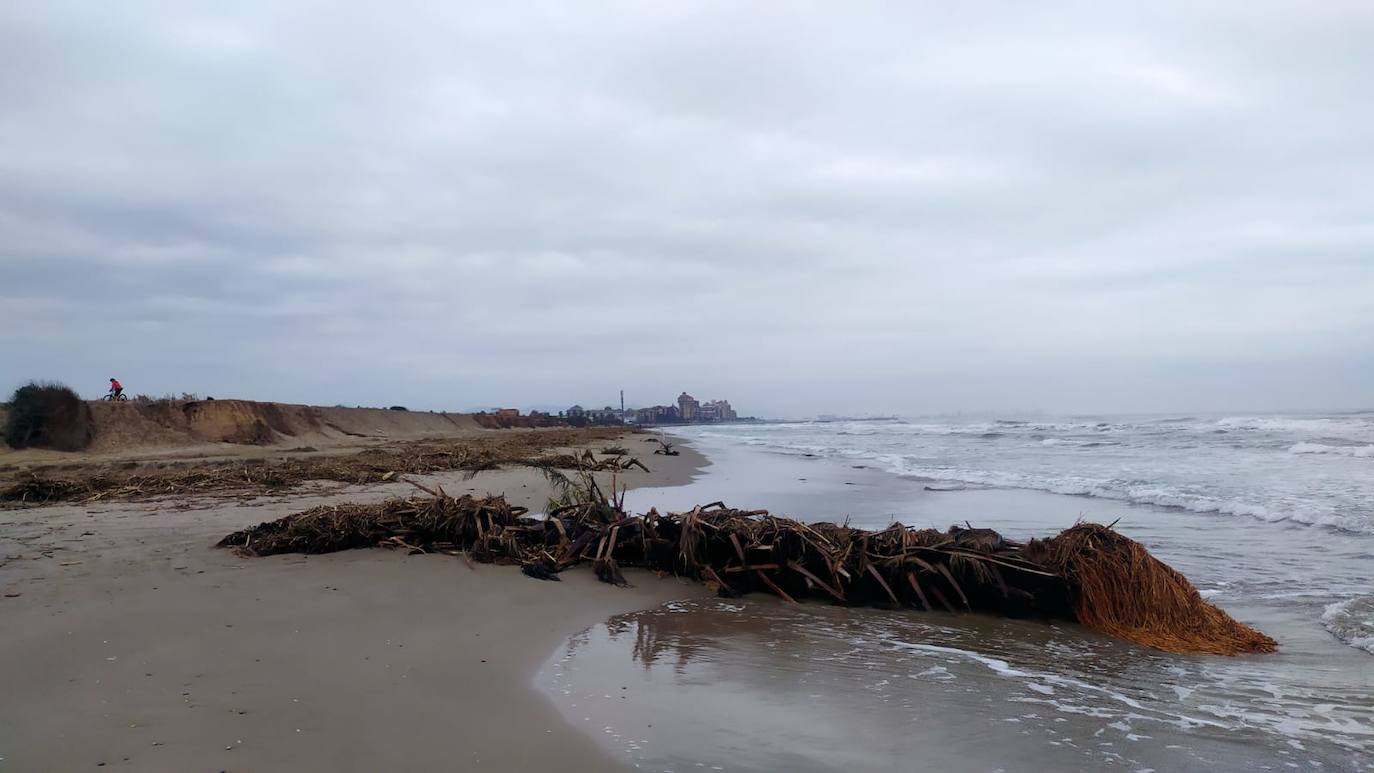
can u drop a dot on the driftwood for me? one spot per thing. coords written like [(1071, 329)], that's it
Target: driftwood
[(1087, 573), (664, 447)]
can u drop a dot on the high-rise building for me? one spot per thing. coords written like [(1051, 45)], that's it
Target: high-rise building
[(717, 410), (687, 407)]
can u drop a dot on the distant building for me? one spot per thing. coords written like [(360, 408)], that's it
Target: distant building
[(607, 415), (658, 414), (687, 407), (688, 410), (718, 410), (508, 413)]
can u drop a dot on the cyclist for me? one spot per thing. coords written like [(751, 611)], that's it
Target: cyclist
[(116, 389)]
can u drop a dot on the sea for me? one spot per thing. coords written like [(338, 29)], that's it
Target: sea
[(1271, 516)]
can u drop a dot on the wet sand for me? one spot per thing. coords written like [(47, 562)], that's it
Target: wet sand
[(131, 643), (753, 684)]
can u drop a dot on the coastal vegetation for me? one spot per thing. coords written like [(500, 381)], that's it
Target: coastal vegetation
[(48, 415)]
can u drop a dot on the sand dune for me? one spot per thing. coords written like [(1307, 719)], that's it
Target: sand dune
[(173, 423), (211, 428)]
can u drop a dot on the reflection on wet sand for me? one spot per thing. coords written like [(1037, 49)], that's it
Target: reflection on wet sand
[(671, 637), (756, 685)]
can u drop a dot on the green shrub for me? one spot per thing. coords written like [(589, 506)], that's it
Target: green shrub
[(48, 415)]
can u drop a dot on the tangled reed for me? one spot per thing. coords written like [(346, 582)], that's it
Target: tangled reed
[(1123, 591), (1088, 573)]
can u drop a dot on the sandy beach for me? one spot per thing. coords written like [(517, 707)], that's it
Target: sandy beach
[(134, 643), (131, 643)]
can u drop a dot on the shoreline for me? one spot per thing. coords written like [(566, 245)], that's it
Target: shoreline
[(132, 642), (819, 687), (131, 631)]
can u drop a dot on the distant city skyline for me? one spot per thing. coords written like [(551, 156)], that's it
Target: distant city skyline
[(686, 409)]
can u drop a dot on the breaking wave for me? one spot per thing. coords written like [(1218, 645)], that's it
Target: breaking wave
[(1352, 621), (1306, 469), (1139, 493), (1362, 452), (1345, 427)]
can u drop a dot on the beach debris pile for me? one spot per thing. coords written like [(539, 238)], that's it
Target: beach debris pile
[(376, 465), (487, 528), (1087, 573), (38, 489), (1121, 590)]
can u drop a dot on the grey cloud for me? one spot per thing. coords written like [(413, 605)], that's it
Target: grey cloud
[(885, 207)]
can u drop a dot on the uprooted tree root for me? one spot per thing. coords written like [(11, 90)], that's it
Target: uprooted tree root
[(371, 466), (1088, 573)]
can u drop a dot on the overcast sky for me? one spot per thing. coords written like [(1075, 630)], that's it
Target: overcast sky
[(803, 207)]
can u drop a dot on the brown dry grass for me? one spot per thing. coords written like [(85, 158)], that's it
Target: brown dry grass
[(1122, 590), (481, 452)]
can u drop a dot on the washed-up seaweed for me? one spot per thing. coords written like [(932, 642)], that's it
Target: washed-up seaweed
[(486, 452), (1087, 573)]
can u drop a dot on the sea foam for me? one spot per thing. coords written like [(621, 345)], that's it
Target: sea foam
[(1307, 469), (1352, 621), (1362, 452)]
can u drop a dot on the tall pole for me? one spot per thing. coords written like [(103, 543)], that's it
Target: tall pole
[(622, 405)]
